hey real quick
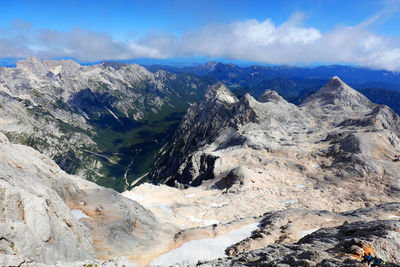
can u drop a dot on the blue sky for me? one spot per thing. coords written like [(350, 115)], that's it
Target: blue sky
[(122, 19), (364, 33)]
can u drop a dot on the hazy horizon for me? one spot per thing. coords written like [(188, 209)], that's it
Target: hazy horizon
[(300, 33)]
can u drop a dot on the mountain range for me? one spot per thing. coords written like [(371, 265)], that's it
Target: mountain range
[(103, 122), (107, 122), (240, 158), (295, 84), (232, 74), (258, 179)]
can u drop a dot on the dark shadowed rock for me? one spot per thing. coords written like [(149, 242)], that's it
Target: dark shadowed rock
[(337, 246)]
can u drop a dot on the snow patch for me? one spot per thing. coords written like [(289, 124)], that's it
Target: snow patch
[(163, 207), (307, 232), (300, 186), (226, 97), (210, 222), (138, 179), (216, 205), (190, 195), (56, 70), (79, 214), (112, 113), (194, 219), (205, 249), (393, 217), (133, 196)]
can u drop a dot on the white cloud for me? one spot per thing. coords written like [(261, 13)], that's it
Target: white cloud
[(262, 41)]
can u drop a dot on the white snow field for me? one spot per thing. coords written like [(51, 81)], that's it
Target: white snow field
[(204, 249)]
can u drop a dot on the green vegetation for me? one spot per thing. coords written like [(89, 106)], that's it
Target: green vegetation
[(69, 128), (135, 144), (60, 104), (125, 149)]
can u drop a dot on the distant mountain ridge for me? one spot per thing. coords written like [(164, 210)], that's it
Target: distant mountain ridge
[(233, 74), (295, 84), (104, 122)]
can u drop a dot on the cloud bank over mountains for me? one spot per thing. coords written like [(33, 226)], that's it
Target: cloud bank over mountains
[(252, 40)]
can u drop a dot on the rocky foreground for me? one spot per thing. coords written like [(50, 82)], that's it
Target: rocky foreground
[(321, 180), (344, 245), (48, 216)]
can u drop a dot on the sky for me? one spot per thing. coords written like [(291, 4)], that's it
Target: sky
[(294, 32)]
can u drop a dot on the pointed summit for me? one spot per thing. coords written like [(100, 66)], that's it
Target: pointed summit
[(335, 83), (220, 92), (32, 62), (338, 95), (270, 96)]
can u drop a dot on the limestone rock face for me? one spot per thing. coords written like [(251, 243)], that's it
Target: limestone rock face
[(48, 216), (53, 106), (338, 95), (270, 96), (319, 178), (200, 125), (34, 220), (307, 166), (337, 145)]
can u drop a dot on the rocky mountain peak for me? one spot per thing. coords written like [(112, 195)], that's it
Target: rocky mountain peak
[(212, 66), (336, 88), (335, 81), (221, 93), (270, 96), (114, 65), (338, 95), (40, 68), (59, 103), (29, 62)]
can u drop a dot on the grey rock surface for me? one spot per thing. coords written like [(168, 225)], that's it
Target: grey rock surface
[(306, 166), (290, 225), (336, 152), (48, 216), (336, 138), (206, 119), (51, 105), (34, 220), (337, 246)]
